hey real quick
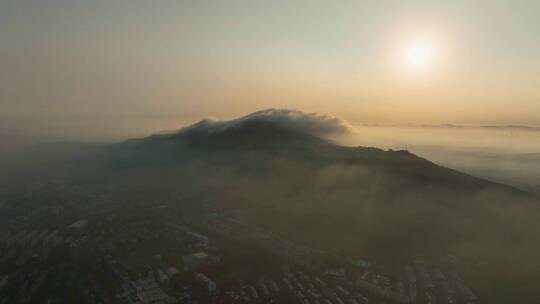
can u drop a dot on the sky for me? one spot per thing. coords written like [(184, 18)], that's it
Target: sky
[(113, 69)]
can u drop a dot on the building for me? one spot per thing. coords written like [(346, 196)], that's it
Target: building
[(79, 224), (3, 282), (198, 260), (210, 285)]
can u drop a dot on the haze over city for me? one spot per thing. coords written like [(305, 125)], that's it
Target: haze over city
[(248, 152)]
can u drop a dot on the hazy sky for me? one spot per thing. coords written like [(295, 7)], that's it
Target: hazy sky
[(121, 68)]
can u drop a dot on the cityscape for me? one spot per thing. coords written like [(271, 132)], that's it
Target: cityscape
[(87, 248)]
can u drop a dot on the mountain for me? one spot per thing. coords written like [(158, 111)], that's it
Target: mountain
[(277, 169), (233, 143)]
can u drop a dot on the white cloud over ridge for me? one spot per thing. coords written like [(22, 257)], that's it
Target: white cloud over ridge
[(312, 123)]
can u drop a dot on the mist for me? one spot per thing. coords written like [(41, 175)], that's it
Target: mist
[(273, 168), (140, 140), (505, 154)]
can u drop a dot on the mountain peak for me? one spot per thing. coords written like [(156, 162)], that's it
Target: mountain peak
[(314, 124), (248, 133)]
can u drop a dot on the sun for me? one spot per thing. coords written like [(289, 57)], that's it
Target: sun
[(418, 55)]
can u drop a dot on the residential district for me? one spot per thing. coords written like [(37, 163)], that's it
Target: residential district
[(61, 244)]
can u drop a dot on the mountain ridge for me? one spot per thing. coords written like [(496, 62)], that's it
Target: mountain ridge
[(259, 133)]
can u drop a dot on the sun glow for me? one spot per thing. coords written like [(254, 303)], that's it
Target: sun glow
[(418, 55)]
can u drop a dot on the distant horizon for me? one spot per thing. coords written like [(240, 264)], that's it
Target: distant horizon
[(28, 138), (102, 138)]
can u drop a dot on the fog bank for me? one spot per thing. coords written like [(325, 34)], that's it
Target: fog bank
[(506, 154)]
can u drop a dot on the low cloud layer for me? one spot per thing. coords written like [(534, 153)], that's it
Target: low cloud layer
[(505, 154), (311, 123), (454, 126)]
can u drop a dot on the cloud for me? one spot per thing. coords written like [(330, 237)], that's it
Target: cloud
[(311, 123), (455, 126)]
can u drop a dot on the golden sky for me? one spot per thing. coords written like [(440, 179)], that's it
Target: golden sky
[(112, 66)]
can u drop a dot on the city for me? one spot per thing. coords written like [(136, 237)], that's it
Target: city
[(87, 248)]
